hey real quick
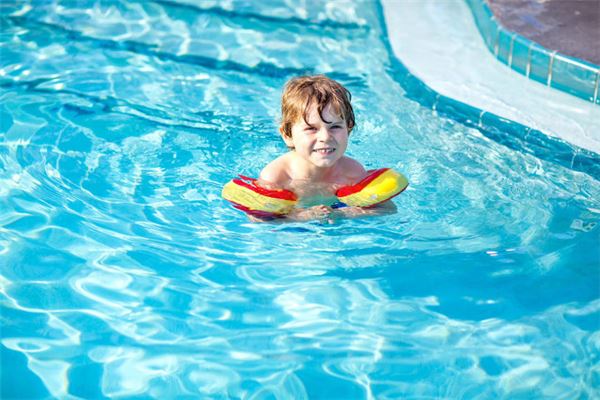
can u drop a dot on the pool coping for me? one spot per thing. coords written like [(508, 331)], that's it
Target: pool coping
[(509, 133), (549, 67)]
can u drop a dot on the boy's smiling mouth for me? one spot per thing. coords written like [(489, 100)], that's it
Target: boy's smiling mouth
[(325, 150)]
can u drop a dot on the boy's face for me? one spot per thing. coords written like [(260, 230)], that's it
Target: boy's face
[(318, 142)]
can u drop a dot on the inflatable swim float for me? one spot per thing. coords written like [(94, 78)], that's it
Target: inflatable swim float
[(246, 195)]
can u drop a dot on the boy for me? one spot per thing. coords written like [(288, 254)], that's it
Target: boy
[(317, 119)]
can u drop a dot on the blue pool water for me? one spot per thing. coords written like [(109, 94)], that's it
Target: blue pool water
[(124, 274)]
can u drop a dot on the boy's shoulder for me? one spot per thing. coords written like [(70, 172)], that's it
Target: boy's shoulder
[(353, 170), (351, 164), (276, 172), (280, 172)]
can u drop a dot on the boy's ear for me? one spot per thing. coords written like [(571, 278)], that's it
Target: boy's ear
[(286, 139)]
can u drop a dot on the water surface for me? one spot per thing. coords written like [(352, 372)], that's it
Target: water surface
[(125, 274)]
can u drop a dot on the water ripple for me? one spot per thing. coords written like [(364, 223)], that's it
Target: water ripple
[(124, 273)]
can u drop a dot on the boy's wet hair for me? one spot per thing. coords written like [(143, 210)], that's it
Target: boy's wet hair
[(300, 93)]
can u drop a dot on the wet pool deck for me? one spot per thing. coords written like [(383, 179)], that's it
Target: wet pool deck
[(572, 27)]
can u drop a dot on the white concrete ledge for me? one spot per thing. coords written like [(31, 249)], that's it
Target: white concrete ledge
[(438, 41)]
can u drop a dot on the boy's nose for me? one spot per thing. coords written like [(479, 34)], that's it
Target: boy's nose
[(323, 134)]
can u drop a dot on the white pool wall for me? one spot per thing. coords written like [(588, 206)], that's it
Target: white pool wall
[(438, 41)]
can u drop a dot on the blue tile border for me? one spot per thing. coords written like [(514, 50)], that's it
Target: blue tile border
[(568, 74), (501, 130)]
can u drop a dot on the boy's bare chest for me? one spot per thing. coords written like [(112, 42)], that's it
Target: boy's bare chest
[(307, 188), (312, 193)]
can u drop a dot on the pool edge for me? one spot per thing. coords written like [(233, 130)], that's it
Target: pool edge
[(501, 130), (556, 70)]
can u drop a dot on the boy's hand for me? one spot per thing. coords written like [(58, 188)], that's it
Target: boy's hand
[(356, 212), (329, 215), (351, 211), (320, 212)]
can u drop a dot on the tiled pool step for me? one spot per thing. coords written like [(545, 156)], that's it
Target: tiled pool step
[(556, 70)]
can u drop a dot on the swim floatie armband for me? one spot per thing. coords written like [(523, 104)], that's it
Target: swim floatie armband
[(247, 196), (380, 185)]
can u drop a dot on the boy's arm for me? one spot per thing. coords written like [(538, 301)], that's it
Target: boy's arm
[(299, 215), (327, 213), (312, 213), (353, 170), (275, 175), (385, 208), (323, 212)]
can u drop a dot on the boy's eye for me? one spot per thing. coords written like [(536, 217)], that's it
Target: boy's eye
[(310, 129)]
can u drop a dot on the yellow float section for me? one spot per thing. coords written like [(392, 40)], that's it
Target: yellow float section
[(381, 185), (252, 198)]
